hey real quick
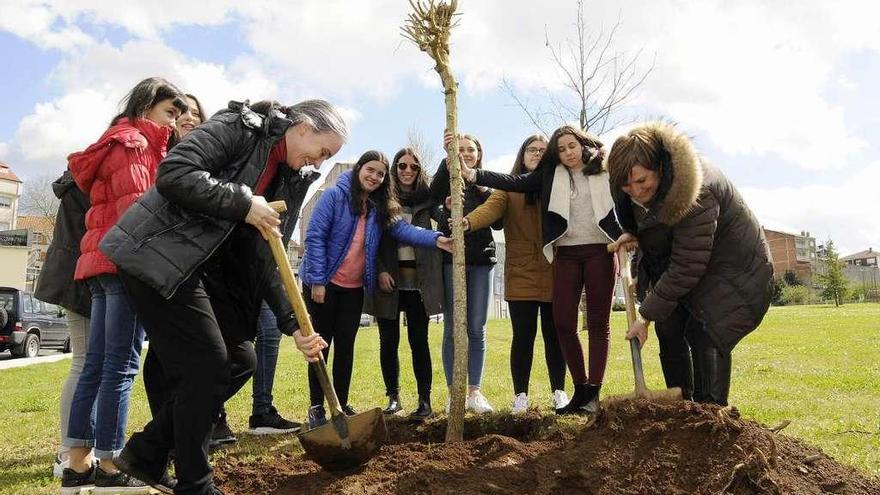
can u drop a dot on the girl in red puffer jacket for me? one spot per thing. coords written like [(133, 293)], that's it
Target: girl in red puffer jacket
[(114, 172)]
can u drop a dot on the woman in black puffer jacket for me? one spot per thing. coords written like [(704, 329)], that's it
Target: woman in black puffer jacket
[(704, 264), (193, 259)]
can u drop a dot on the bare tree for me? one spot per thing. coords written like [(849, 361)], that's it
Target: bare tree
[(599, 81), (416, 140), (429, 26), (38, 198)]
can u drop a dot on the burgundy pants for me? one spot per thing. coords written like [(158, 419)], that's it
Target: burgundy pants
[(589, 267)]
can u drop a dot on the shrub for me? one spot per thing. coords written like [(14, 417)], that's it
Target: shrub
[(797, 294)]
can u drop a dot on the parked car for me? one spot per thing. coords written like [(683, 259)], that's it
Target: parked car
[(31, 324)]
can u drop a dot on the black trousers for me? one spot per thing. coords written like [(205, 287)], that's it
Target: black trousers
[(410, 302), (242, 363), (336, 320), (524, 320), (185, 334), (691, 360)]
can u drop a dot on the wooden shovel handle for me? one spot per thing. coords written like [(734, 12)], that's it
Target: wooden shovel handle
[(629, 297), (286, 272)]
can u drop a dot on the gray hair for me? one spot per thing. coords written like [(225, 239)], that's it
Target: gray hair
[(320, 115)]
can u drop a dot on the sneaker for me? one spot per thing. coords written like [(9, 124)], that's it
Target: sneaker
[(560, 399), (348, 410), (59, 465), (520, 403), (72, 482), (118, 483), (129, 464), (271, 423), (477, 403), (317, 417), (222, 434)]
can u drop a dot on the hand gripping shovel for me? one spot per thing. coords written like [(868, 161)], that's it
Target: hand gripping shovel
[(346, 441), (641, 391)]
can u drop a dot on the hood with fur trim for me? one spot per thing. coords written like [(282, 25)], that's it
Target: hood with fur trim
[(681, 174)]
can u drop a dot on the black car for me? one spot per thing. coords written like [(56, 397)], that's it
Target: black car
[(28, 324)]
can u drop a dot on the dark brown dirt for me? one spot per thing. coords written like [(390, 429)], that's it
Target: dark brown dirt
[(632, 447)]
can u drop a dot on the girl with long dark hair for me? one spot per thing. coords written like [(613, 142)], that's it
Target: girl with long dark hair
[(528, 278), (578, 222), (339, 264), (410, 281)]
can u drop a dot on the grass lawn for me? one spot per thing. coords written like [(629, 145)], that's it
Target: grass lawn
[(817, 366)]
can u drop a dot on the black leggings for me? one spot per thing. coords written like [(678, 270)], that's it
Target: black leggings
[(336, 320), (524, 319), (691, 360), (410, 302)]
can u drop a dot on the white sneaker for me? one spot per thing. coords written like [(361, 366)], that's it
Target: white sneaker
[(560, 399), (59, 465), (477, 403), (520, 403)]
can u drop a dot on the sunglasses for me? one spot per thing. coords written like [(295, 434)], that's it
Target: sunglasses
[(412, 166)]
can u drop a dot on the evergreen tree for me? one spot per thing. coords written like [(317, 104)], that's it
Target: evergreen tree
[(791, 278), (833, 283)]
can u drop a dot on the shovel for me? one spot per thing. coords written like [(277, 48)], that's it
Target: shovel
[(346, 441), (641, 391)]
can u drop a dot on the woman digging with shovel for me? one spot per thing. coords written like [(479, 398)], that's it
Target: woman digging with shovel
[(704, 266), (192, 256)]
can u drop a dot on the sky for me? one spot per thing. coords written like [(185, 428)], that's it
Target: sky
[(780, 95)]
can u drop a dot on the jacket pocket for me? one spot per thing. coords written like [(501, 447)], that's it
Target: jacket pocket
[(164, 230), (520, 254)]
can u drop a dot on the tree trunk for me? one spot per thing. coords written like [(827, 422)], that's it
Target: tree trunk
[(455, 425), (429, 27)]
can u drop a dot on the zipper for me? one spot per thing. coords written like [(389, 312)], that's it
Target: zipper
[(159, 233)]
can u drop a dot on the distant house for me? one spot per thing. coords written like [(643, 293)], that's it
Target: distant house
[(863, 258), (10, 192), (792, 252), (40, 228)]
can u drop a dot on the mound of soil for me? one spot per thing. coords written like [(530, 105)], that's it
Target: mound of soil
[(631, 447)]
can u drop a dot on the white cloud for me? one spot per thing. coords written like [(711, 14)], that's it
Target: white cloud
[(845, 212), (502, 163), (36, 21)]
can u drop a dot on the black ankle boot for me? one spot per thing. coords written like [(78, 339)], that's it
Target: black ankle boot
[(584, 401), (678, 370), (394, 405), (711, 375), (422, 412)]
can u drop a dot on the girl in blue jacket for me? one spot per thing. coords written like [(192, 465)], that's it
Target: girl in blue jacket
[(339, 263)]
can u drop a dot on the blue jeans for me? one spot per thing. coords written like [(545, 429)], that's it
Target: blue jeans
[(477, 310), (267, 343), (99, 410)]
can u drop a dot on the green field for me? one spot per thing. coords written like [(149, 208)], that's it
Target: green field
[(817, 366)]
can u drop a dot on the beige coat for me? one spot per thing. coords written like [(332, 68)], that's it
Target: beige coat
[(527, 274)]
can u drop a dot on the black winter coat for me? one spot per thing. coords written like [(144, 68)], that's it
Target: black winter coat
[(700, 246), (202, 195), (479, 246), (553, 223), (56, 284), (428, 267)]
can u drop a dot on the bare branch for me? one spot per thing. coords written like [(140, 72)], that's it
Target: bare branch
[(38, 198), (534, 117), (598, 80)]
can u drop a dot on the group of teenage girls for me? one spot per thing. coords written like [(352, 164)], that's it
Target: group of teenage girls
[(178, 251)]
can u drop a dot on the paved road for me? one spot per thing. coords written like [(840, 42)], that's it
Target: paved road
[(46, 356)]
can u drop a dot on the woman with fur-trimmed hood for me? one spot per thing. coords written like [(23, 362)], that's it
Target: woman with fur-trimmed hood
[(704, 266)]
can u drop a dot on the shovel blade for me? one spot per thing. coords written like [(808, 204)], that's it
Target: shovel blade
[(366, 435)]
